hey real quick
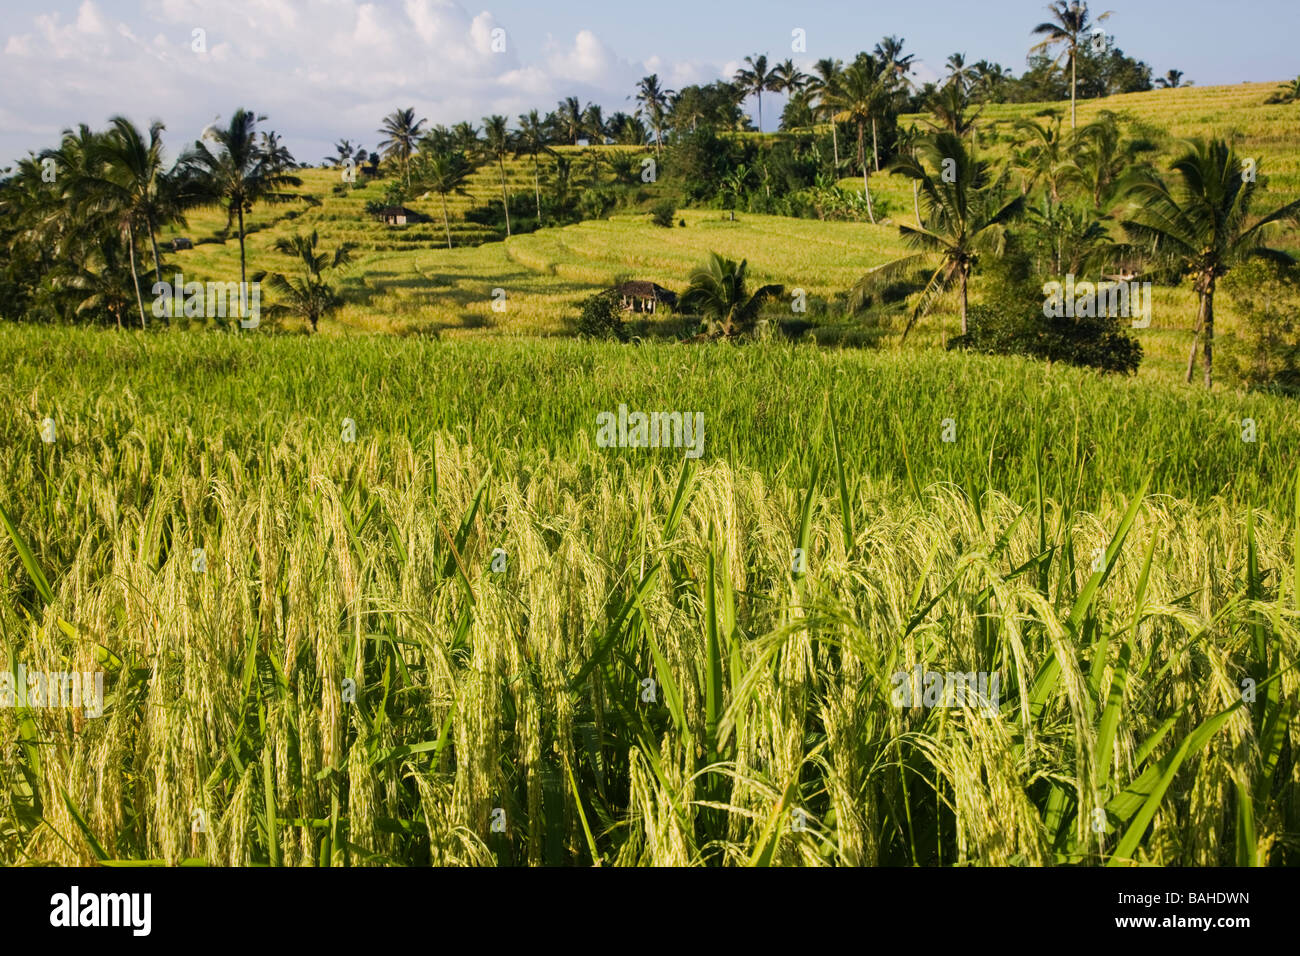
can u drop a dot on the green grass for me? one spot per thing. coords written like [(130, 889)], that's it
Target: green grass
[(1121, 736)]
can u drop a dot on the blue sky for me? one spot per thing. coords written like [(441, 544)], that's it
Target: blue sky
[(322, 69)]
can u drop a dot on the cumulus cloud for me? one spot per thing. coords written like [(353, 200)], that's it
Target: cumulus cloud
[(320, 69)]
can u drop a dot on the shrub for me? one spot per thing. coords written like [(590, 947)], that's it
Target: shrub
[(661, 213), (1267, 354), (1011, 322), (602, 317)]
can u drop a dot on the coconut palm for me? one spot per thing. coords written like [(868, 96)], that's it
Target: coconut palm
[(1104, 159), (401, 131), (533, 138), (306, 295), (654, 101), (958, 71), (824, 83), (718, 292), (132, 188), (1204, 226), (1069, 24), (754, 79), (788, 78), (860, 97), (1043, 154), (444, 173), (238, 173), (627, 130), (498, 142), (1172, 80), (890, 51), (568, 120), (966, 214), (593, 121), (465, 137)]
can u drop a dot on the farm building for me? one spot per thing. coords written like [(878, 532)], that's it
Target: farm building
[(181, 242), (398, 215), (638, 296)]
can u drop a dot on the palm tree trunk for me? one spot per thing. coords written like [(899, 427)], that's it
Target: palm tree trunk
[(135, 275), (866, 191), (446, 224), (965, 271), (916, 202), (835, 145), (157, 263), (1074, 80), (875, 145), (243, 263), (1207, 309), (537, 189), (505, 202), (1196, 335), (760, 111)]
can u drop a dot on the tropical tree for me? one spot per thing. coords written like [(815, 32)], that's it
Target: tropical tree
[(401, 131), (307, 294), (966, 215), (1042, 154), (754, 79), (1204, 226), (1172, 80), (958, 71), (444, 173), (465, 138), (1070, 23), (498, 142), (824, 84), (719, 292), (238, 173), (951, 105), (568, 120), (99, 283), (131, 187), (1104, 159), (654, 102), (627, 130), (593, 121), (343, 150), (534, 138), (788, 78), (861, 96), (1288, 92), (890, 52)]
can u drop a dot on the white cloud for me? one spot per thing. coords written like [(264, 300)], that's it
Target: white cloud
[(320, 69)]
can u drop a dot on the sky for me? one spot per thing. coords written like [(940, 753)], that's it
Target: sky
[(325, 69)]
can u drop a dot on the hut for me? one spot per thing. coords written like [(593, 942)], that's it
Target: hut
[(398, 215), (639, 296), (180, 242)]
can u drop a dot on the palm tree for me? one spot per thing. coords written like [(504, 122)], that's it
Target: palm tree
[(497, 143), (593, 121), (627, 130), (965, 218), (465, 136), (957, 70), (401, 131), (343, 152), (860, 96), (568, 120), (788, 79), (1044, 155), (1103, 159), (1288, 92), (1068, 25), (718, 292), (1172, 80), (654, 100), (238, 174), (824, 83), (534, 137), (444, 173), (100, 283), (950, 104), (1205, 226), (133, 188), (754, 79), (890, 51), (306, 295)]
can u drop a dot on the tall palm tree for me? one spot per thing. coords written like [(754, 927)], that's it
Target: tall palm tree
[(238, 174), (1103, 160), (824, 83), (718, 292), (950, 105), (1043, 155), (133, 188), (1069, 24), (957, 70), (1172, 80), (788, 78), (401, 131), (890, 51), (754, 79), (306, 295), (860, 97), (593, 120), (964, 218), (534, 137), (1204, 226), (465, 137), (568, 120), (654, 101), (443, 172), (498, 142)]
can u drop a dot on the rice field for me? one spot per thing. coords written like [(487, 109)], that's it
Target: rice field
[(461, 632)]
